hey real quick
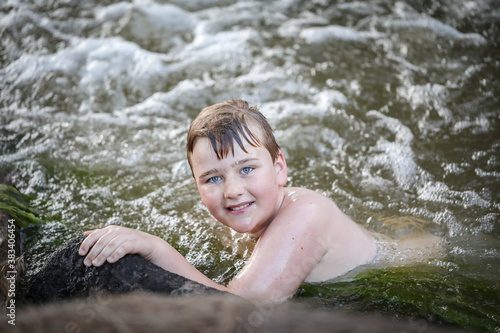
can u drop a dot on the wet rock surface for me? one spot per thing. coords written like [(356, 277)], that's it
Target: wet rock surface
[(65, 276)]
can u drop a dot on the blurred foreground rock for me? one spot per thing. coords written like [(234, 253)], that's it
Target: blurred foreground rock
[(65, 276), (139, 312)]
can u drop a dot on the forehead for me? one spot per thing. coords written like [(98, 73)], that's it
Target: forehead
[(253, 126), (204, 158), (203, 150)]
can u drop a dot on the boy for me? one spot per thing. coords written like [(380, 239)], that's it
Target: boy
[(240, 173)]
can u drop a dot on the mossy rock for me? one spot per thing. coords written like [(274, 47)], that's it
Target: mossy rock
[(426, 292), (15, 205)]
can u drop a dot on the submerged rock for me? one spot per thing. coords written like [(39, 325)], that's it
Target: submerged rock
[(65, 276)]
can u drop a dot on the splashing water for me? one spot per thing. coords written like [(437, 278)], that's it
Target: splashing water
[(390, 108)]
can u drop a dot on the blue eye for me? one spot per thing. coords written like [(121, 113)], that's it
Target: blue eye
[(213, 179), (246, 170)]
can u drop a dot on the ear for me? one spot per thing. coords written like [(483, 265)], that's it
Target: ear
[(281, 168)]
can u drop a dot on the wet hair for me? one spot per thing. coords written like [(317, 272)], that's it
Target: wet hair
[(228, 122)]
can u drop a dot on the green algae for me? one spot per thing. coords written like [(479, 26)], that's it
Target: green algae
[(423, 292), (15, 204)]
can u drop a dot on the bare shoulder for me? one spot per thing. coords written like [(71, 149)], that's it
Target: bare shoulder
[(346, 244), (308, 204), (306, 212), (303, 193)]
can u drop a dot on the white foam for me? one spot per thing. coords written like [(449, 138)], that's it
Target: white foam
[(273, 83), (98, 66), (276, 111), (327, 98), (26, 152), (314, 138), (199, 4), (227, 50), (398, 155), (479, 125), (186, 95), (149, 18), (424, 23), (157, 27), (361, 8), (439, 192), (398, 158), (239, 14), (429, 96), (318, 35), (375, 184), (181, 170), (291, 28), (402, 133), (114, 58), (131, 157), (112, 12)]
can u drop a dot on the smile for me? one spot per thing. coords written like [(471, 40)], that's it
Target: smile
[(240, 207)]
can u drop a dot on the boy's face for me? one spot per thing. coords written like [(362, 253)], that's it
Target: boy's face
[(244, 191)]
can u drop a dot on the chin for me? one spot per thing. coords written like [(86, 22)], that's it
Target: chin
[(242, 229)]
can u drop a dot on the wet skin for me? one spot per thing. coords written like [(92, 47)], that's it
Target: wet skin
[(303, 236)]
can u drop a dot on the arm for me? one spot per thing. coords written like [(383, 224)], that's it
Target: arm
[(310, 239), (284, 256), (287, 252), (113, 242)]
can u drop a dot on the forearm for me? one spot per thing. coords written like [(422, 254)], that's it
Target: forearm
[(168, 258), (113, 242)]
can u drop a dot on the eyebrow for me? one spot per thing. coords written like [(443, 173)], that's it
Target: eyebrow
[(209, 172), (212, 171)]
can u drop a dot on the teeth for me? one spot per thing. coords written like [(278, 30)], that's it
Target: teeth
[(240, 207)]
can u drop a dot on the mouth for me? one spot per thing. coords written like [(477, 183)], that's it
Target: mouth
[(239, 207)]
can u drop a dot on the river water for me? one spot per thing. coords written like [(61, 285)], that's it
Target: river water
[(390, 108)]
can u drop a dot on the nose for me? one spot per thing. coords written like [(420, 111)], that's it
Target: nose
[(233, 187)]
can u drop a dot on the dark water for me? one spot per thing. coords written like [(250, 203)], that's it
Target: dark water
[(390, 108)]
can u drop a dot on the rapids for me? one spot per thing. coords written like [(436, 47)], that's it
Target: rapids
[(390, 108)]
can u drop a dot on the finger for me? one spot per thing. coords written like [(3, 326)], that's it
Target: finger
[(119, 253), (112, 251), (88, 242), (97, 242)]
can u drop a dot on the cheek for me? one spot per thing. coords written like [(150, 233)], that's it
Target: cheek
[(208, 197), (263, 187)]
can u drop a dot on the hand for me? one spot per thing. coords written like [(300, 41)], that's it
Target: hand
[(112, 243)]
